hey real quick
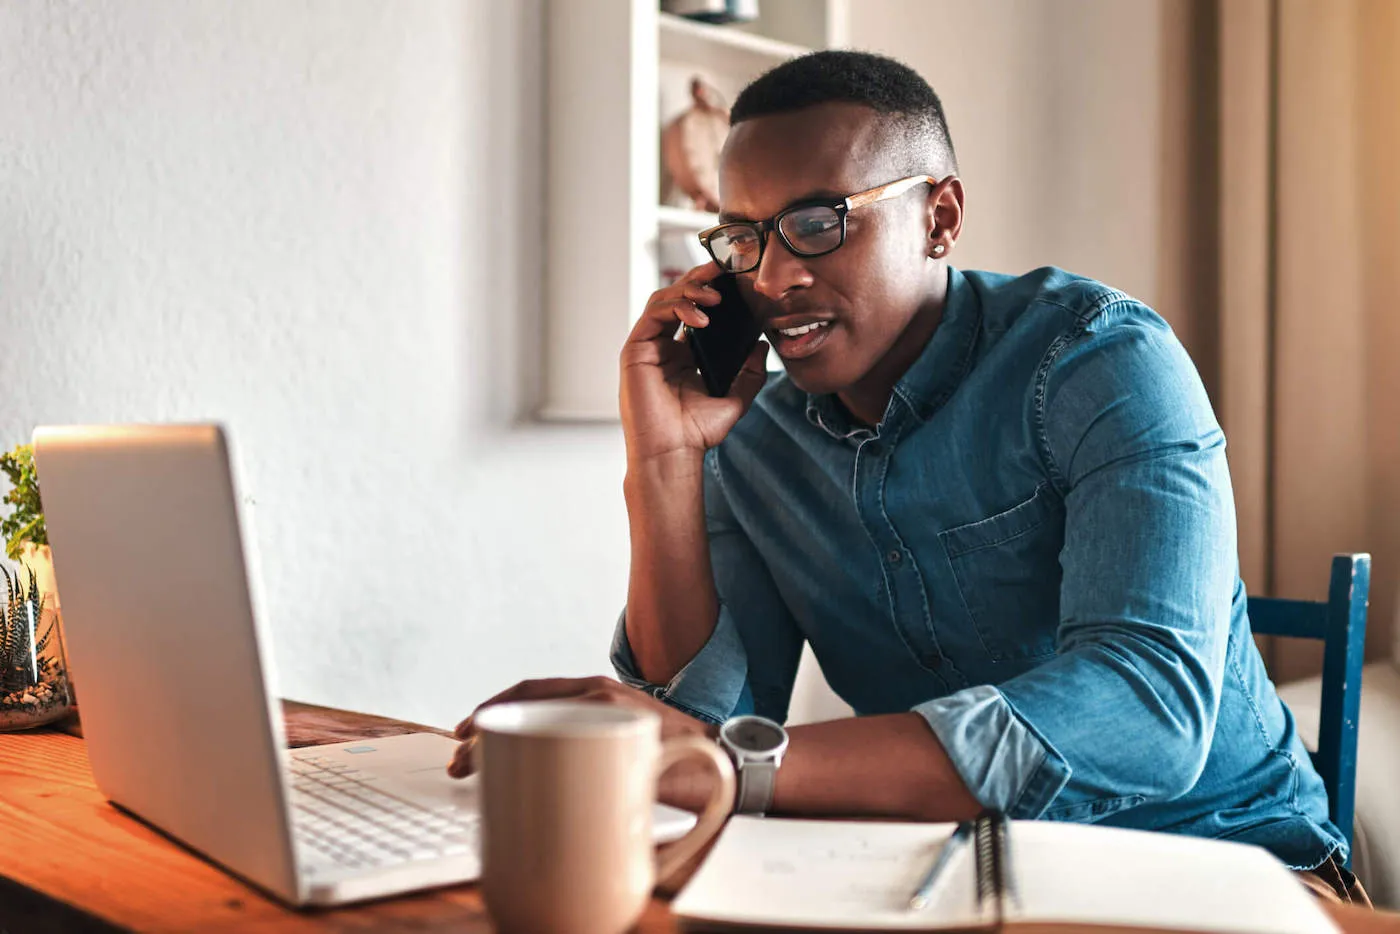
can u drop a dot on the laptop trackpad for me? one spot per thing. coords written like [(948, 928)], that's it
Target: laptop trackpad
[(413, 766)]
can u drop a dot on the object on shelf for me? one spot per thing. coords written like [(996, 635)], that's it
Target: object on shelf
[(713, 11), (690, 146)]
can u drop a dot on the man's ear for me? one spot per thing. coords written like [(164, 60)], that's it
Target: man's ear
[(944, 216)]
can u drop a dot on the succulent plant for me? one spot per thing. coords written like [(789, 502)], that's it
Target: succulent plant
[(21, 643)]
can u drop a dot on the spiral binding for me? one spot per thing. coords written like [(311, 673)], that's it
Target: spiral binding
[(1006, 876), (988, 879), (996, 885)]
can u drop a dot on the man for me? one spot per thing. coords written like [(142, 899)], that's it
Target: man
[(997, 508)]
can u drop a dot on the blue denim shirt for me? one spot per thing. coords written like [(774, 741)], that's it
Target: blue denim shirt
[(1035, 550)]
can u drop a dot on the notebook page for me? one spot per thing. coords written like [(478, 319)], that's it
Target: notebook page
[(1104, 875), (839, 875)]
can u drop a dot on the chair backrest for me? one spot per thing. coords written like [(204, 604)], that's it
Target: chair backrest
[(1340, 623)]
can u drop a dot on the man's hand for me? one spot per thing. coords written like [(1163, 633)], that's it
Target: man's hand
[(665, 408), (685, 786)]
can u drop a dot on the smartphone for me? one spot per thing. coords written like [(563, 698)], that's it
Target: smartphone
[(721, 348)]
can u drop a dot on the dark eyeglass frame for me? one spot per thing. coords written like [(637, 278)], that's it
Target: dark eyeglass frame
[(842, 207)]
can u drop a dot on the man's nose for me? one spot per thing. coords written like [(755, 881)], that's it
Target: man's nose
[(779, 270)]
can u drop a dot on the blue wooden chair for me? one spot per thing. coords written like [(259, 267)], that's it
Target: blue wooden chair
[(1340, 623)]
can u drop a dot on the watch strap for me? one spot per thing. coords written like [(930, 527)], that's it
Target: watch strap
[(756, 780)]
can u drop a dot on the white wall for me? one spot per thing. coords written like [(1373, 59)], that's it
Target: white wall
[(1054, 109), (318, 222)]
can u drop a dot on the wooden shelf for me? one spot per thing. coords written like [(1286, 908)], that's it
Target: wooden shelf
[(721, 47), (673, 218)]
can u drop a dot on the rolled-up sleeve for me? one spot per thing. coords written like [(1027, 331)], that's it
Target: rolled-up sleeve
[(1125, 710), (713, 685), (749, 663), (1000, 758)]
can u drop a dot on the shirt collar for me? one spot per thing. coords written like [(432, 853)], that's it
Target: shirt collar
[(934, 375)]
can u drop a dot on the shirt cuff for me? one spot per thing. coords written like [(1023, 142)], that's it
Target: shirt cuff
[(1006, 765), (710, 687)]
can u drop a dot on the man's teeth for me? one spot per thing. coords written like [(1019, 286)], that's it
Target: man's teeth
[(799, 331)]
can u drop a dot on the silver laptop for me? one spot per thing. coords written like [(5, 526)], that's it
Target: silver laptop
[(169, 652)]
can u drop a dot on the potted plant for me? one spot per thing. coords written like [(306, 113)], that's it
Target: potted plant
[(33, 676), (34, 685)]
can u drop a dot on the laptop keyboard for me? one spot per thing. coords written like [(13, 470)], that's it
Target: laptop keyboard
[(339, 815)]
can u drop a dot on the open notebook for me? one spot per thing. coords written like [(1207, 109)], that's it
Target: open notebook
[(856, 875)]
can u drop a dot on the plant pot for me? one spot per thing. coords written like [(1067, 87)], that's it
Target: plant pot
[(34, 686)]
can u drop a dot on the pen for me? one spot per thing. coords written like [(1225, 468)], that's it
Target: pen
[(920, 898)]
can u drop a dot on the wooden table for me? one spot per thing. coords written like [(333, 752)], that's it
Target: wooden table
[(72, 863)]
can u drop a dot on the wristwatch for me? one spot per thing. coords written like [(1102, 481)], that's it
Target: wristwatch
[(756, 744)]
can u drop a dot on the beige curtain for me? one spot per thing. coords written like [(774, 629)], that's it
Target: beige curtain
[(1301, 347)]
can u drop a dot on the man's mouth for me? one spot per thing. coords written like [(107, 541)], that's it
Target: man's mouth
[(800, 339), (802, 329)]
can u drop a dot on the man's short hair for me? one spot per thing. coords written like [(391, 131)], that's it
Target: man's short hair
[(884, 85)]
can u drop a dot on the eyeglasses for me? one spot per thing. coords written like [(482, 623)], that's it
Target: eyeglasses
[(809, 228)]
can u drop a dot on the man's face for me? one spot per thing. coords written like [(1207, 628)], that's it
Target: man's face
[(867, 291)]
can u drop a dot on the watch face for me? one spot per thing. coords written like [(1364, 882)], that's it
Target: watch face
[(754, 735)]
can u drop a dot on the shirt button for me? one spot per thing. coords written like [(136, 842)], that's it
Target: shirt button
[(894, 556)]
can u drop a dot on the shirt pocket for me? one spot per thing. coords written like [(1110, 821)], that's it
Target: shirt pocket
[(1007, 570)]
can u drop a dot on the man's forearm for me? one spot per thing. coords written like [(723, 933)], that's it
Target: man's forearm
[(888, 766), (671, 600)]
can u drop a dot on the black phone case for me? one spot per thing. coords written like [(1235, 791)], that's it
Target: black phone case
[(721, 348)]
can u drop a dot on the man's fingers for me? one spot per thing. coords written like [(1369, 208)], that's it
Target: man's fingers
[(700, 293), (662, 313), (461, 764), (677, 308), (754, 374), (465, 728), (679, 301), (701, 274), (590, 690), (603, 696), (690, 313)]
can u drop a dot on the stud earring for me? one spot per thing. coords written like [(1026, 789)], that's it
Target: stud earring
[(938, 250)]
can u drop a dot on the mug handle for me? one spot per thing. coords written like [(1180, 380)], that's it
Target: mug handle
[(716, 810)]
